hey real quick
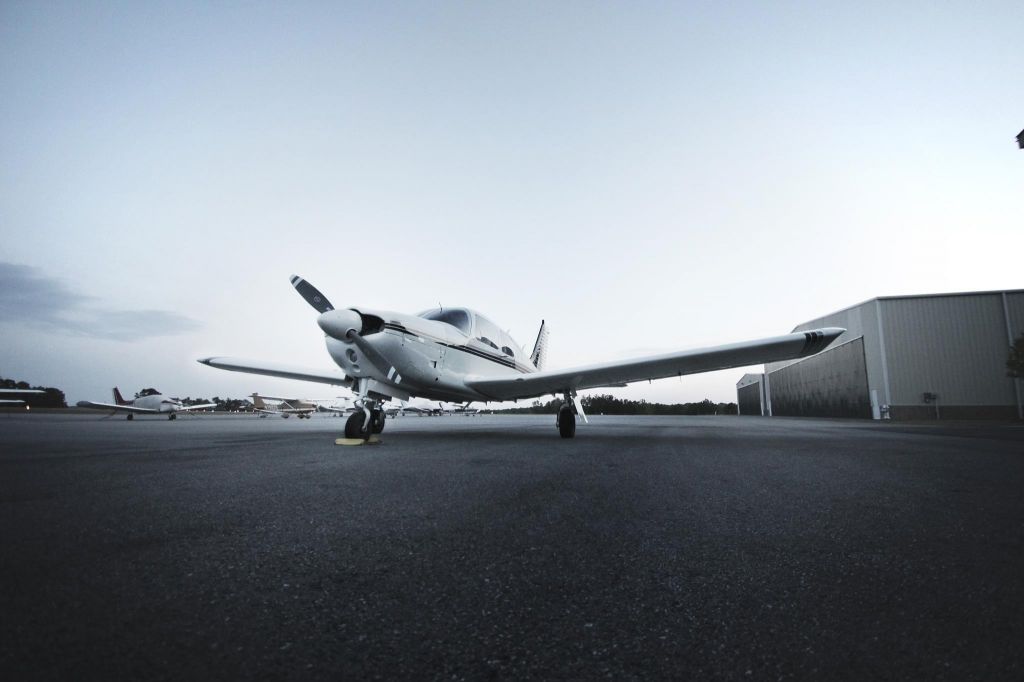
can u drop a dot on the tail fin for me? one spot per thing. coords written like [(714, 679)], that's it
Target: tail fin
[(118, 400), (257, 402), (540, 347)]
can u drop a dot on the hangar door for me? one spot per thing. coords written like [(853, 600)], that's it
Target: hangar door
[(829, 384), (749, 397)]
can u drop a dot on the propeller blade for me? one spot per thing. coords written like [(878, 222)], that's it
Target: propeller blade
[(311, 294)]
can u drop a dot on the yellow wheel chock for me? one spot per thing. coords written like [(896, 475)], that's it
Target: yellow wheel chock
[(374, 440)]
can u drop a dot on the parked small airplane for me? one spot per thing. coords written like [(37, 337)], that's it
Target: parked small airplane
[(301, 407), (420, 408), (459, 355), (154, 403), (285, 407), (16, 391), (424, 408)]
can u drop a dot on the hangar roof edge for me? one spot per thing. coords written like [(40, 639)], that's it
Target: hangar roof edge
[(906, 296)]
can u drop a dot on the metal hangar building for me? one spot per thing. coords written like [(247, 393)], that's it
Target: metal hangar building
[(937, 356)]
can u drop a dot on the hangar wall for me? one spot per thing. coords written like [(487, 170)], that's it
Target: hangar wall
[(953, 346)]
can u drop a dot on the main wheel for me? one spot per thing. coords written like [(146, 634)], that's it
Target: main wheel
[(172, 416), (377, 424), (566, 422), (354, 425), (131, 416)]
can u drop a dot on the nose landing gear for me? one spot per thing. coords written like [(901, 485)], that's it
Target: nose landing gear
[(358, 426)]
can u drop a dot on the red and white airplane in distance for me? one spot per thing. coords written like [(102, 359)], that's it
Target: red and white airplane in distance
[(154, 403), (458, 355)]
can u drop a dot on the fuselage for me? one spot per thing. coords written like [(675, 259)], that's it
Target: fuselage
[(156, 402), (430, 358)]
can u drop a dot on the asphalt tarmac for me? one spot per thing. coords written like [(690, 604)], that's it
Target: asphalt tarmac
[(220, 547)]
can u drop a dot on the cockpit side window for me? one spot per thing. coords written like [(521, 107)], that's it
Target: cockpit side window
[(456, 317), (507, 351), (487, 332)]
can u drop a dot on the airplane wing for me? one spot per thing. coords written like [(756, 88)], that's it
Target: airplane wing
[(273, 369), (113, 406), (786, 347), (17, 391), (204, 406)]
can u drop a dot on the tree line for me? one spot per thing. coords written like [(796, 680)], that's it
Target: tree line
[(608, 404), (222, 404)]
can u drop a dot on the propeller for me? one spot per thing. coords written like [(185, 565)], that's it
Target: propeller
[(311, 294)]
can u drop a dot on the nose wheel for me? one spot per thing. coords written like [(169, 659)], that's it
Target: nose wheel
[(356, 426)]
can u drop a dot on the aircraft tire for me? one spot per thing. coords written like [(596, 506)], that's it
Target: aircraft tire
[(172, 416), (566, 422), (130, 416), (354, 425), (378, 420)]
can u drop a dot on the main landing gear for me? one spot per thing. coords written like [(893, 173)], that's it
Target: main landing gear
[(567, 415), (172, 416), (566, 421), (130, 416)]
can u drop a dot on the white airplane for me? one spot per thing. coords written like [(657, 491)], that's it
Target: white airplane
[(16, 391), (420, 408), (153, 403), (458, 355)]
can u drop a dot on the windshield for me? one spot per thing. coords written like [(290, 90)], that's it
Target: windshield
[(456, 317)]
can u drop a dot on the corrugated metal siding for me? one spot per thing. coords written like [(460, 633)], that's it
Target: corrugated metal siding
[(954, 346), (829, 384), (1015, 306), (749, 399)]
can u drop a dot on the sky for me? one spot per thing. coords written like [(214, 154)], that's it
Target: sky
[(645, 176)]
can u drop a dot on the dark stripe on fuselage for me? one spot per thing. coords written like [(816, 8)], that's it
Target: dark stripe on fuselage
[(504, 361)]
